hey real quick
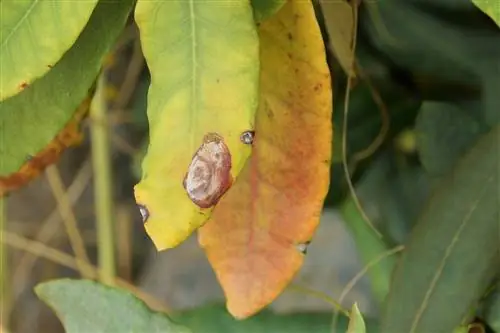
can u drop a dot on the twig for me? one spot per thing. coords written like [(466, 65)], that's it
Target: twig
[(319, 295), (64, 259), (384, 115), (102, 185), (68, 216), (344, 129), (50, 227), (360, 274), (5, 296)]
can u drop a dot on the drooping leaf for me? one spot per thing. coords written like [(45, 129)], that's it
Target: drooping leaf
[(263, 9), (215, 319), (31, 119), (490, 8), (70, 135), (445, 132), (339, 20), (85, 306), (33, 37), (204, 80), (356, 321), (450, 257), (258, 230)]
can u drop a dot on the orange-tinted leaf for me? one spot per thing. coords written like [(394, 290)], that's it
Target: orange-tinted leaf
[(69, 136), (256, 235)]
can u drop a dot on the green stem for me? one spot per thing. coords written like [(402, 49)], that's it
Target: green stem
[(102, 185), (4, 294)]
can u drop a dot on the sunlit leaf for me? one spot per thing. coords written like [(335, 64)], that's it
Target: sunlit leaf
[(490, 8), (356, 321), (33, 37), (204, 80), (257, 233), (30, 120), (450, 257), (85, 306)]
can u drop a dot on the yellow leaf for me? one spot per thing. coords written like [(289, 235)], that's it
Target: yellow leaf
[(257, 236), (203, 59)]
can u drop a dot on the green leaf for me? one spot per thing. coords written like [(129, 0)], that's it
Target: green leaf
[(490, 8), (204, 79), (450, 257), (31, 119), (33, 37), (215, 319), (356, 321), (263, 9), (445, 131), (492, 312), (369, 246), (339, 21), (85, 306)]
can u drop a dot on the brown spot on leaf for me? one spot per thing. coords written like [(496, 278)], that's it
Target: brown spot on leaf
[(208, 176), (290, 36), (23, 85)]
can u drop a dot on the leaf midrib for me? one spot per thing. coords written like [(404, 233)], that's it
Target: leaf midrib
[(448, 252)]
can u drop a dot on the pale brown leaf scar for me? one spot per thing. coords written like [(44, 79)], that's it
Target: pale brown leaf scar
[(144, 212), (247, 137), (302, 247), (208, 176)]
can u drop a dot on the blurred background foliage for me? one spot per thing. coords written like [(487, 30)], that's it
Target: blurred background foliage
[(427, 89)]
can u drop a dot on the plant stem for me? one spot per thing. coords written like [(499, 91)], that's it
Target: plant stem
[(102, 184), (4, 272)]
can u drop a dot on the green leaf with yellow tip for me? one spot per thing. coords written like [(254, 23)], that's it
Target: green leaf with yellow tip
[(204, 63), (356, 321), (490, 8)]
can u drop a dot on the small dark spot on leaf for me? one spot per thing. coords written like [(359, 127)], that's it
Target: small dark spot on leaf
[(23, 85), (302, 247), (50, 66), (29, 158), (144, 213), (290, 55), (218, 80), (247, 137), (290, 36), (318, 87)]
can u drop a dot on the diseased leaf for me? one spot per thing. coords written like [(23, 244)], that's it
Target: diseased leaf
[(490, 8), (203, 95), (356, 321), (33, 37), (450, 257), (29, 121), (263, 9), (85, 306), (339, 20), (70, 135), (258, 230), (445, 132)]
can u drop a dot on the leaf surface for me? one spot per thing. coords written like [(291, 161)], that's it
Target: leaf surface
[(490, 8), (264, 9), (445, 131), (70, 135), (33, 118), (356, 321), (451, 255), (204, 77), (339, 20), (257, 231), (85, 306), (34, 35)]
